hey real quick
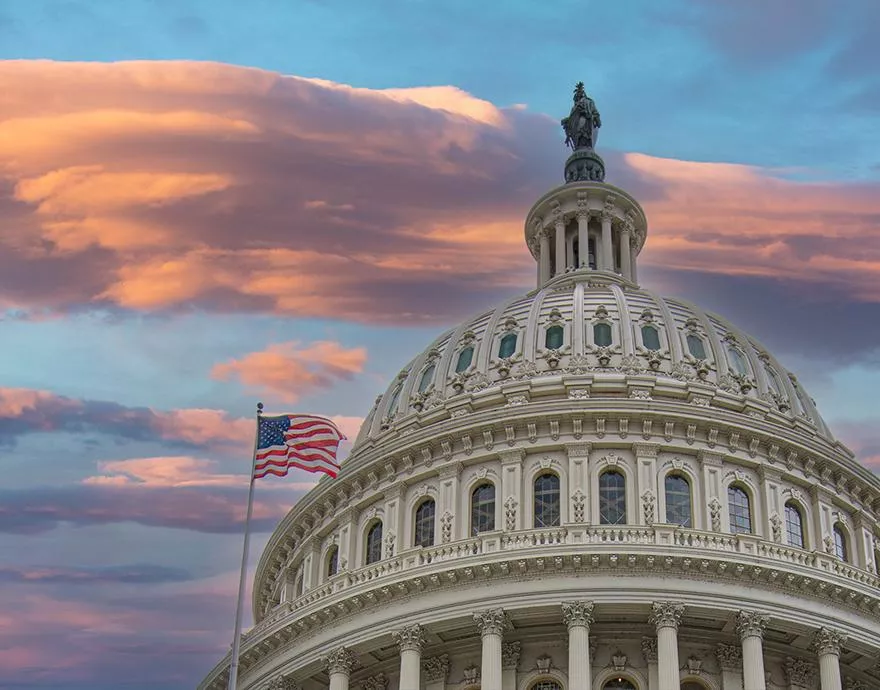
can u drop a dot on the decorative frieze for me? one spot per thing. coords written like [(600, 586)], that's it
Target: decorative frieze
[(411, 638), (492, 622), (577, 613), (666, 614), (436, 667)]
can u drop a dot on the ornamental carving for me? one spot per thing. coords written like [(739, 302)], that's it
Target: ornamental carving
[(377, 682), (776, 527), (578, 365), (436, 667), (510, 513), (410, 638), (649, 649), (799, 672), (729, 657), (492, 622), (578, 499), (510, 653), (751, 624), (282, 683), (630, 364), (529, 370), (479, 381), (389, 543), (649, 502), (853, 684), (471, 675), (682, 371), (446, 527), (666, 614), (544, 663), (618, 660), (694, 665), (577, 613), (340, 660), (828, 641), (578, 394), (715, 514)]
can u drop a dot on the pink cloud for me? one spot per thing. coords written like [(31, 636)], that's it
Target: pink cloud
[(287, 371)]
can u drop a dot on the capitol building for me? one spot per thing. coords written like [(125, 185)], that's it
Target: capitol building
[(587, 487)]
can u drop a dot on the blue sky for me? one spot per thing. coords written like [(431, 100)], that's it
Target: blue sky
[(179, 239)]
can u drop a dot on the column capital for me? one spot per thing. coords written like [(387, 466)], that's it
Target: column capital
[(730, 657), (492, 622), (649, 649), (799, 672), (751, 624), (377, 682), (828, 641), (282, 683), (666, 614), (510, 652), (340, 660), (577, 613), (436, 667), (411, 638)]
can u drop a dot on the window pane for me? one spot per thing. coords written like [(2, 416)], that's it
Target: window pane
[(465, 357), (651, 337), (424, 527), (737, 361), (507, 346), (483, 509), (554, 338), (547, 504), (794, 525), (695, 346), (740, 511), (427, 378), (374, 543), (392, 406), (333, 562), (612, 499), (678, 501), (602, 334), (840, 544), (618, 684)]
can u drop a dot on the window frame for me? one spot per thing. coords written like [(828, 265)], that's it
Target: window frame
[(475, 522), (595, 340), (331, 558), (653, 327), (603, 498), (369, 532), (456, 369), (732, 524), (554, 327), (506, 338), (792, 506), (426, 379), (418, 522), (699, 339), (681, 476), (841, 545), (536, 513)]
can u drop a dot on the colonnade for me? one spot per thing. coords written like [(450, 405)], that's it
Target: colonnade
[(742, 666)]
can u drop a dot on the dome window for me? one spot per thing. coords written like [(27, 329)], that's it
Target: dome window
[(612, 498), (333, 561), (650, 338), (840, 545), (507, 346), (427, 378), (678, 501), (424, 523), (483, 509), (374, 544), (619, 684), (465, 357), (794, 525), (739, 510), (602, 334), (392, 405), (695, 346), (554, 338), (547, 504), (737, 361)]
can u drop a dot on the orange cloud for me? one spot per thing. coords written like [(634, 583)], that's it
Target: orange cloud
[(287, 371)]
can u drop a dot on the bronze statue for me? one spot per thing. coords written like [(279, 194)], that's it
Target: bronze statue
[(583, 122)]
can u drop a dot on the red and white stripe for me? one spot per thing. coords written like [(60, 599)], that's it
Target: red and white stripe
[(311, 444)]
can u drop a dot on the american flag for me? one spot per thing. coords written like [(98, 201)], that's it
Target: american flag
[(295, 440)]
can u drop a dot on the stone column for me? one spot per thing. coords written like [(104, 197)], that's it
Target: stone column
[(649, 651), (606, 255), (750, 626), (410, 640), (578, 615), (436, 672), (339, 664), (560, 246), (492, 623), (667, 616), (625, 251), (583, 237), (827, 644), (800, 673), (730, 660), (544, 262), (510, 652)]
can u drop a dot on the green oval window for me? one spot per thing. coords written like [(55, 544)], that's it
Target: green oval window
[(554, 337), (602, 334), (507, 346), (650, 337), (465, 357)]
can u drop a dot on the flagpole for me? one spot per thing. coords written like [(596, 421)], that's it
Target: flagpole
[(236, 640)]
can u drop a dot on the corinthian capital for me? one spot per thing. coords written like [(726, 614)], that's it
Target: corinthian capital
[(576, 613), (282, 683), (436, 667), (492, 622), (751, 624), (410, 638), (510, 652), (828, 641), (340, 660), (730, 657), (666, 614), (800, 672), (649, 649)]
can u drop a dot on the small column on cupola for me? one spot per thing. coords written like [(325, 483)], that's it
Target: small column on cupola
[(585, 225)]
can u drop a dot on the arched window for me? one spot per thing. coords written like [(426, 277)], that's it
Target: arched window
[(651, 337), (840, 546), (547, 502), (794, 525), (374, 544), (678, 501), (483, 509), (333, 561), (507, 346), (602, 334), (619, 684), (740, 510), (424, 526), (392, 405), (427, 378), (692, 685), (695, 346), (465, 357), (737, 361), (612, 498), (774, 381), (546, 685), (554, 337)]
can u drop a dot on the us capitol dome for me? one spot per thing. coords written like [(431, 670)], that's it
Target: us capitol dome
[(588, 487)]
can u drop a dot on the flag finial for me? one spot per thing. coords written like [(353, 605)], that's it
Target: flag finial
[(259, 408)]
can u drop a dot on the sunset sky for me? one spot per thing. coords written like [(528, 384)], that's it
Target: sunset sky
[(207, 203)]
